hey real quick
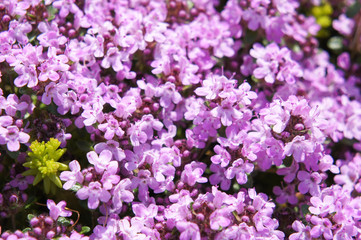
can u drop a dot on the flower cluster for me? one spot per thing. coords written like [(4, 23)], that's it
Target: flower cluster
[(180, 119)]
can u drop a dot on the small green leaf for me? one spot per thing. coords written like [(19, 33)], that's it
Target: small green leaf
[(324, 21), (236, 187), (37, 179), (51, 12), (56, 180), (353, 9), (84, 230), (13, 155), (190, 4), (30, 216), (251, 37), (47, 185), (83, 145), (64, 221), (304, 209), (335, 43), (42, 161), (26, 230)]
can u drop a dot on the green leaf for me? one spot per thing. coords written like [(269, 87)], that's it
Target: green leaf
[(37, 179), (47, 184), (335, 43), (236, 187), (287, 161), (304, 209), (83, 145), (190, 4), (32, 199), (30, 216), (84, 230), (13, 155), (251, 37), (64, 221), (26, 230), (353, 9), (56, 180), (51, 12), (75, 188)]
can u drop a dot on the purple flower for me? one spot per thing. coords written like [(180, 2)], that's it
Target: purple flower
[(192, 173), (303, 232), (136, 158), (219, 177), (146, 214), (111, 128), (19, 30), (114, 58), (239, 169), (94, 192), (142, 130), (12, 137), (310, 182), (21, 182), (166, 138), (133, 231), (222, 156), (75, 236), (256, 17), (12, 104), (109, 177), (322, 206), (142, 182), (211, 87), (288, 194), (108, 231), (343, 24), (55, 91), (161, 65), (73, 176), (188, 230), (227, 113), (322, 226), (275, 64), (66, 7), (122, 194), (50, 36), (221, 218), (100, 162), (112, 146), (54, 63), (57, 210), (290, 172), (344, 61), (94, 114), (298, 148), (25, 65), (168, 95)]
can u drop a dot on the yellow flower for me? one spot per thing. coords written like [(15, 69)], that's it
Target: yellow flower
[(44, 165)]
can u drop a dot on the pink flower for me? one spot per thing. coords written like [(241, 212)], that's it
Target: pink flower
[(298, 148), (189, 231), (222, 156), (100, 162), (12, 137), (344, 25), (94, 192), (73, 176), (58, 209), (310, 182), (131, 232)]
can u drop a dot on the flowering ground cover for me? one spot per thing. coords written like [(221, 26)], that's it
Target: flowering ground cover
[(180, 119)]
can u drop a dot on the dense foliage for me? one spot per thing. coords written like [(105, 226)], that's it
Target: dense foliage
[(180, 119)]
